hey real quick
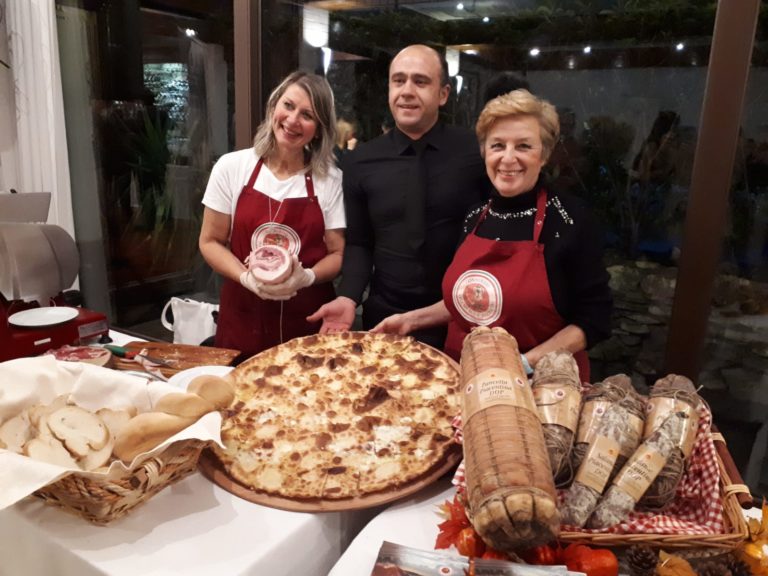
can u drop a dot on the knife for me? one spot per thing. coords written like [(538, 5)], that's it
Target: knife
[(123, 352)]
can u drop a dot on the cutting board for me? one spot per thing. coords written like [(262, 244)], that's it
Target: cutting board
[(179, 356)]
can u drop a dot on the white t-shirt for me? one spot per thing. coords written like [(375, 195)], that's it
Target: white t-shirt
[(232, 171)]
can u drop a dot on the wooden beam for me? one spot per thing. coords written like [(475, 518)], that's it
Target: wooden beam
[(705, 224), (248, 92)]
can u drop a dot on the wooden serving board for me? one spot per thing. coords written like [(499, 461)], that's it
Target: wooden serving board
[(180, 356), (212, 469)]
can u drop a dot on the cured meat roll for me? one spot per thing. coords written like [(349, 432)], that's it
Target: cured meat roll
[(270, 264)]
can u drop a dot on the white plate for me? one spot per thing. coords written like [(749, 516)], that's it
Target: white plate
[(183, 378), (43, 316)]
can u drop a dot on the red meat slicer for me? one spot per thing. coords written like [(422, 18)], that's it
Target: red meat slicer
[(37, 263)]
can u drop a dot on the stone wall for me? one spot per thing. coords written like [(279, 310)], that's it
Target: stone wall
[(736, 355)]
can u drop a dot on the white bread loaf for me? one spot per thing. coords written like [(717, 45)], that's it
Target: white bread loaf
[(39, 412), (15, 432), (49, 450), (184, 404), (116, 418), (215, 389), (97, 458), (146, 431), (80, 430)]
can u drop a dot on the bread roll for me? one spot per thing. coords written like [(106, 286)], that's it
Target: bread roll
[(97, 458), (15, 432), (38, 412), (115, 419), (184, 404), (146, 431), (49, 450), (80, 430), (215, 389)]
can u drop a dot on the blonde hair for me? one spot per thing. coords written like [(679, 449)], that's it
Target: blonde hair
[(319, 152), (521, 103), (345, 130)]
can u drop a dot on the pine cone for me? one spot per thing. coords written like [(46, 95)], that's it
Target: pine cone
[(737, 567), (642, 560), (714, 568)]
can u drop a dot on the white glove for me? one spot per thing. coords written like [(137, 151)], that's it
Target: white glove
[(250, 283), (526, 365), (300, 278)]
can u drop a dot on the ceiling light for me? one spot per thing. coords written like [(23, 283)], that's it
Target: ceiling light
[(190, 33), (315, 26), (460, 6), (534, 52), (327, 55), (587, 49), (486, 19), (679, 46), (452, 58)]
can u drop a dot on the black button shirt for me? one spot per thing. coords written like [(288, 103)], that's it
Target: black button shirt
[(376, 179)]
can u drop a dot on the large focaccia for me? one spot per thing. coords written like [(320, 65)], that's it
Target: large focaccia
[(339, 416)]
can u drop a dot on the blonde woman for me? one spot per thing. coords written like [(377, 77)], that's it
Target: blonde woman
[(531, 258), (284, 190), (346, 138)]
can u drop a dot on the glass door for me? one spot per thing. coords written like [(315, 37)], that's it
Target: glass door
[(148, 92)]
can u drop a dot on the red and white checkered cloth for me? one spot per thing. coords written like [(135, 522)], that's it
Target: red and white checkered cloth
[(697, 507)]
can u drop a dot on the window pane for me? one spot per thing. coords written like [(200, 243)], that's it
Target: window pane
[(148, 103)]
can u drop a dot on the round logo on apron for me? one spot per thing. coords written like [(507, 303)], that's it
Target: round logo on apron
[(274, 234), (477, 296)]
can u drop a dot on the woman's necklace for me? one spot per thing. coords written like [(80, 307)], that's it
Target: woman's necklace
[(554, 201), (273, 219)]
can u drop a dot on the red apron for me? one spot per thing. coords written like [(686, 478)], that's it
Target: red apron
[(246, 322), (503, 283)]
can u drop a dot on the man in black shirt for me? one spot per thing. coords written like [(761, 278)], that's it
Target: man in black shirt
[(406, 194)]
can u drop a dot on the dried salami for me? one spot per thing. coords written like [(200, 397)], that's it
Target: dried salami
[(557, 392), (615, 389), (638, 473), (610, 428), (669, 395)]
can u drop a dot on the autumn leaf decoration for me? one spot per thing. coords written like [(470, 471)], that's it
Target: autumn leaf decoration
[(754, 551), (455, 521), (671, 565)]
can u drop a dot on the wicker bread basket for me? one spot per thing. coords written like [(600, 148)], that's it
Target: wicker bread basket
[(102, 500), (734, 532)]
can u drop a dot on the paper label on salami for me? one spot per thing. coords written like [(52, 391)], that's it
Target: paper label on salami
[(640, 471), (595, 469), (591, 414), (494, 387), (558, 405), (659, 408)]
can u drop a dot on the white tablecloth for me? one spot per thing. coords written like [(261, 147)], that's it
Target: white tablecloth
[(412, 522), (192, 528)]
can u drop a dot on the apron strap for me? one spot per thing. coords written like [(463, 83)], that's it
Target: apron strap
[(541, 213), (255, 174), (310, 185), (482, 216)]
